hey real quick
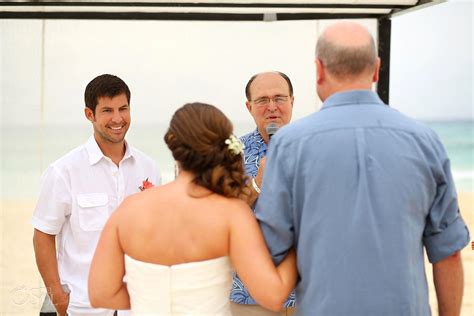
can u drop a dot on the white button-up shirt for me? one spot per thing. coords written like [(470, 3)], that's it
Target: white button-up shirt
[(78, 194)]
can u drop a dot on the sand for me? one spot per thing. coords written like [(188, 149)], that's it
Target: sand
[(22, 289), (466, 203)]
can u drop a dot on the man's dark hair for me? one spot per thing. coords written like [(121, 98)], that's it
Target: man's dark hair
[(104, 86), (247, 87)]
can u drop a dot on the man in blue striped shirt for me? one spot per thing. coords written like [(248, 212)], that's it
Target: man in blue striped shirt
[(360, 191)]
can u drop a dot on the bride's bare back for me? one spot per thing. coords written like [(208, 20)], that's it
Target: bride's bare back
[(177, 223)]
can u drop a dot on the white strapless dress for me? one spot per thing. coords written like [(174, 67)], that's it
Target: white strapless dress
[(196, 288)]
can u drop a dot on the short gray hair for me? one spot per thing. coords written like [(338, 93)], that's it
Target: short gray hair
[(342, 61)]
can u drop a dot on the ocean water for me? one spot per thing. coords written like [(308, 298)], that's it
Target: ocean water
[(27, 151), (458, 139)]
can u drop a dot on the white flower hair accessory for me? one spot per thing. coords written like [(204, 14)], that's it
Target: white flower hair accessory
[(234, 145)]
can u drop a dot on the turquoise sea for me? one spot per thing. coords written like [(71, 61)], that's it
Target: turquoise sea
[(27, 151), (458, 139)]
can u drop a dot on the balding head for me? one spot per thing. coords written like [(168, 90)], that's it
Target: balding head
[(269, 100), (347, 50), (264, 76)]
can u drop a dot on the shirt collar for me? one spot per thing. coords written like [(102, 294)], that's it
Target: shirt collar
[(259, 143), (352, 97), (95, 154), (257, 136)]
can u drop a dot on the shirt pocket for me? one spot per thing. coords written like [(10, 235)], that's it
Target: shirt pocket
[(92, 211)]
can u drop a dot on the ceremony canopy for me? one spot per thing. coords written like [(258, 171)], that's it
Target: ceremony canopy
[(227, 10)]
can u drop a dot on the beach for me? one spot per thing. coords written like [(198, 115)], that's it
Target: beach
[(47, 64), (23, 290), (466, 204)]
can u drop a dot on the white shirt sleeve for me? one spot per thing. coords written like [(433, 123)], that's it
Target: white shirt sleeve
[(54, 202)]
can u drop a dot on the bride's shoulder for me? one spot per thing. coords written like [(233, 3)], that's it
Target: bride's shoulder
[(236, 205), (143, 200), (151, 193)]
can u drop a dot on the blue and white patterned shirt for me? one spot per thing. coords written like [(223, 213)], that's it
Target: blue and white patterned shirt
[(255, 150)]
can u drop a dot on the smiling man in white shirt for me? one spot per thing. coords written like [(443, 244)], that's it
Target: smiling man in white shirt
[(81, 190)]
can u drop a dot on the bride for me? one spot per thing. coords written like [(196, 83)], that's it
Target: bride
[(170, 249)]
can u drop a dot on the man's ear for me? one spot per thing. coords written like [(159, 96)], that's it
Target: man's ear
[(320, 71), (375, 77), (89, 114), (249, 106)]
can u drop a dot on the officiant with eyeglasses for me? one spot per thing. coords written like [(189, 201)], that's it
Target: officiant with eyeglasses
[(270, 102)]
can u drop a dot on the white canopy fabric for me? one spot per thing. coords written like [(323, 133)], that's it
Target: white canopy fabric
[(227, 10)]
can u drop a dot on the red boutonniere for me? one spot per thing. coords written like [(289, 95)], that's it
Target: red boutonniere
[(145, 185)]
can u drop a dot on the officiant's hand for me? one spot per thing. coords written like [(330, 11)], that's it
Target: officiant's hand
[(261, 168), (254, 193)]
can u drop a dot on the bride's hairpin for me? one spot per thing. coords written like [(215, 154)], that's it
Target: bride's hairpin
[(234, 145)]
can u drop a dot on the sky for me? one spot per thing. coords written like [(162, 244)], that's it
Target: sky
[(432, 62), (169, 63)]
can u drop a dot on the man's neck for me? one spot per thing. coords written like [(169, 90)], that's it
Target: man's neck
[(350, 85), (115, 151)]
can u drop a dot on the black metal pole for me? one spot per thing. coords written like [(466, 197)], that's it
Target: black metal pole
[(384, 33)]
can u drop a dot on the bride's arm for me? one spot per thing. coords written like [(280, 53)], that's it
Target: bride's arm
[(267, 284), (106, 286)]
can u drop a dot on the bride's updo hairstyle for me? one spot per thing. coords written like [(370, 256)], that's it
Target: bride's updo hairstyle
[(197, 138)]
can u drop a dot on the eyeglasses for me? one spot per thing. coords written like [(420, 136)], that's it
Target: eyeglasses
[(278, 100)]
